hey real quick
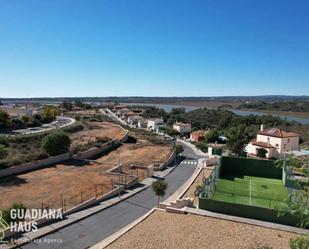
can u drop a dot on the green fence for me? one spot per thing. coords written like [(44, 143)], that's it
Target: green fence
[(249, 166), (259, 213)]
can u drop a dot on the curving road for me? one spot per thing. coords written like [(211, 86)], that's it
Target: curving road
[(95, 228)]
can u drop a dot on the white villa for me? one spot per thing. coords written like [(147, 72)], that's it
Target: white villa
[(275, 141), (182, 128), (155, 124)]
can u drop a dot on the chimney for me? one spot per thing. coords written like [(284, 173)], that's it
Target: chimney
[(262, 127)]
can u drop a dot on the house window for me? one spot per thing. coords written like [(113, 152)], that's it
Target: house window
[(284, 146), (277, 146), (268, 139), (288, 140)]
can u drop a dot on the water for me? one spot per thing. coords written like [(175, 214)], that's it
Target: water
[(288, 118), (169, 107)]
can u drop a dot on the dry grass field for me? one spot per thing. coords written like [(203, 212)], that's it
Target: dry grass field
[(79, 180)]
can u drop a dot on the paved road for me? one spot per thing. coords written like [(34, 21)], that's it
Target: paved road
[(95, 228)]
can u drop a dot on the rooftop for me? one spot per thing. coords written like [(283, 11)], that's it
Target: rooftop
[(275, 132)]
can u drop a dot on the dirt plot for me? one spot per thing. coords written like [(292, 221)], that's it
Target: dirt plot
[(168, 230), (137, 154), (73, 180), (134, 154), (96, 131), (77, 181)]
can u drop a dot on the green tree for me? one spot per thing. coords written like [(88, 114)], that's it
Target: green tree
[(261, 152), (4, 118), (50, 112), (179, 148), (25, 119), (56, 143), (159, 187), (3, 152), (212, 136), (237, 139)]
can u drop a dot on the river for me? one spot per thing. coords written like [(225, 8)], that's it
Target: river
[(169, 107)]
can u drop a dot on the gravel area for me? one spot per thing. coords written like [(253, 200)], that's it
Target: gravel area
[(167, 230)]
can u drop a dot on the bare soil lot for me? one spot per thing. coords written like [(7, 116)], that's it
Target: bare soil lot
[(133, 154), (48, 185), (77, 181), (96, 131), (168, 230)]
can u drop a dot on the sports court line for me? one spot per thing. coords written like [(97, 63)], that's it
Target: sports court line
[(250, 193)]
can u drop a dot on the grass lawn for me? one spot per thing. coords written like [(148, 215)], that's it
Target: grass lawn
[(254, 191)]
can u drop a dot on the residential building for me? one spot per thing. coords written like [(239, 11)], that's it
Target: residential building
[(142, 123), (275, 141), (155, 124), (182, 128), (118, 107), (134, 119), (197, 136), (122, 111)]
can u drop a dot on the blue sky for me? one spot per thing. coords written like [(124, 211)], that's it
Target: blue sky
[(153, 48)]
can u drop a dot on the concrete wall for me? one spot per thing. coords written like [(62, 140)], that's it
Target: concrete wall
[(94, 151), (34, 165), (168, 162)]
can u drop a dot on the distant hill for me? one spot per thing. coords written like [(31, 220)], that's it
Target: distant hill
[(135, 99)]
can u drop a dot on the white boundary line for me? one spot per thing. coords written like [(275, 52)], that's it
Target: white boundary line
[(250, 189)]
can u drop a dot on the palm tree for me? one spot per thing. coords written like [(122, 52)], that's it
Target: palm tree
[(159, 188)]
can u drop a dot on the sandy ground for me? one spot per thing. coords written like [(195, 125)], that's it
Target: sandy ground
[(136, 154), (74, 177), (198, 181), (132, 154), (102, 130), (168, 230), (47, 185)]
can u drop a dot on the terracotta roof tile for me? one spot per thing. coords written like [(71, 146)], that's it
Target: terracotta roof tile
[(275, 132)]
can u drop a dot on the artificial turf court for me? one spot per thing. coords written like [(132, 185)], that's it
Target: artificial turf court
[(250, 190)]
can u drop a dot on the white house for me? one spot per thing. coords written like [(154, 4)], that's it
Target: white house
[(134, 119), (182, 128), (142, 123), (275, 141), (155, 124)]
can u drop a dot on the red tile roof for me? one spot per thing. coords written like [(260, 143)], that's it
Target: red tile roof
[(262, 144), (274, 132)]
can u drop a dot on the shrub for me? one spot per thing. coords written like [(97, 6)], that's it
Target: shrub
[(202, 146), (6, 213), (74, 128), (56, 143), (3, 152), (300, 243), (261, 152), (179, 148), (4, 141)]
